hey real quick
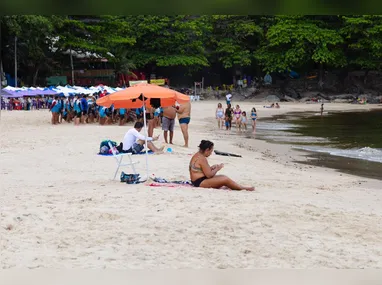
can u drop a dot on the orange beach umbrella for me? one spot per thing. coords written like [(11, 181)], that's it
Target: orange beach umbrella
[(143, 95), (133, 97)]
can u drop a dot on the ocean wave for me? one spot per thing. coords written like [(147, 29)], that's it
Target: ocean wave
[(275, 126), (295, 139), (365, 153)]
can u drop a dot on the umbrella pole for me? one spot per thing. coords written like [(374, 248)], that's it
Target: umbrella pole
[(146, 134)]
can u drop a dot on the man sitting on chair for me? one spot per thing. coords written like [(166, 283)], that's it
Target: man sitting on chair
[(134, 141)]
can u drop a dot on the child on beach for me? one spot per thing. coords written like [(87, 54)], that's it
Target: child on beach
[(254, 118), (157, 117), (243, 120), (228, 117)]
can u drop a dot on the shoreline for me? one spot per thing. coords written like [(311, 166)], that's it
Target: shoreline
[(286, 152), (62, 209)]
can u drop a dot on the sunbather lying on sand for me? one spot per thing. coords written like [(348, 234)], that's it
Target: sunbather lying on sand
[(271, 106), (203, 175)]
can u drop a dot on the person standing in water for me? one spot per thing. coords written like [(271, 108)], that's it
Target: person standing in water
[(322, 109), (184, 117)]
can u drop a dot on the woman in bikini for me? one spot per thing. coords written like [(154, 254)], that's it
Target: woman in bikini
[(237, 114), (254, 118), (220, 116), (203, 175)]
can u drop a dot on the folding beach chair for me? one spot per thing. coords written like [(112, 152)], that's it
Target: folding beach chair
[(118, 157)]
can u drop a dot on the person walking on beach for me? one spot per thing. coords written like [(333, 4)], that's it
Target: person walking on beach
[(168, 122), (254, 118), (203, 175), (184, 117), (322, 109), (220, 116)]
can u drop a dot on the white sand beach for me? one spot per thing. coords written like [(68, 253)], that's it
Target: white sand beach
[(60, 208)]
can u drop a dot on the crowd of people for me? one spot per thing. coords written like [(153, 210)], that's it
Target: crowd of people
[(225, 117), (84, 110), (25, 103)]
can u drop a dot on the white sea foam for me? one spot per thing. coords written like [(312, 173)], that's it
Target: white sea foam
[(275, 126), (365, 153), (295, 139)]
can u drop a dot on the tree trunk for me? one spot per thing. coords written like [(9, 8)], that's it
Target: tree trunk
[(321, 76), (343, 76), (365, 77), (35, 76)]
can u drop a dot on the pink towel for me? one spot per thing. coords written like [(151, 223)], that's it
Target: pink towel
[(173, 185)]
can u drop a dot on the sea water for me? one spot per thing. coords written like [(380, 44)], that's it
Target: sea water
[(347, 141)]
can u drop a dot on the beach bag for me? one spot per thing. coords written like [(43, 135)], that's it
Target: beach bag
[(115, 150), (104, 150), (130, 178), (104, 146)]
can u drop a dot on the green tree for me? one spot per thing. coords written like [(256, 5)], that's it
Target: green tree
[(33, 35), (363, 36), (295, 41), (234, 39), (168, 40)]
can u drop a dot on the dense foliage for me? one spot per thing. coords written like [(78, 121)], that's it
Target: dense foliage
[(266, 43)]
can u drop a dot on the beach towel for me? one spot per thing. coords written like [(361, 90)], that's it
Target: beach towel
[(177, 182), (172, 185), (142, 152)]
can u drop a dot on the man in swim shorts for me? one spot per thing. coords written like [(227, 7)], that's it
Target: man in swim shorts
[(168, 122), (184, 117)]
